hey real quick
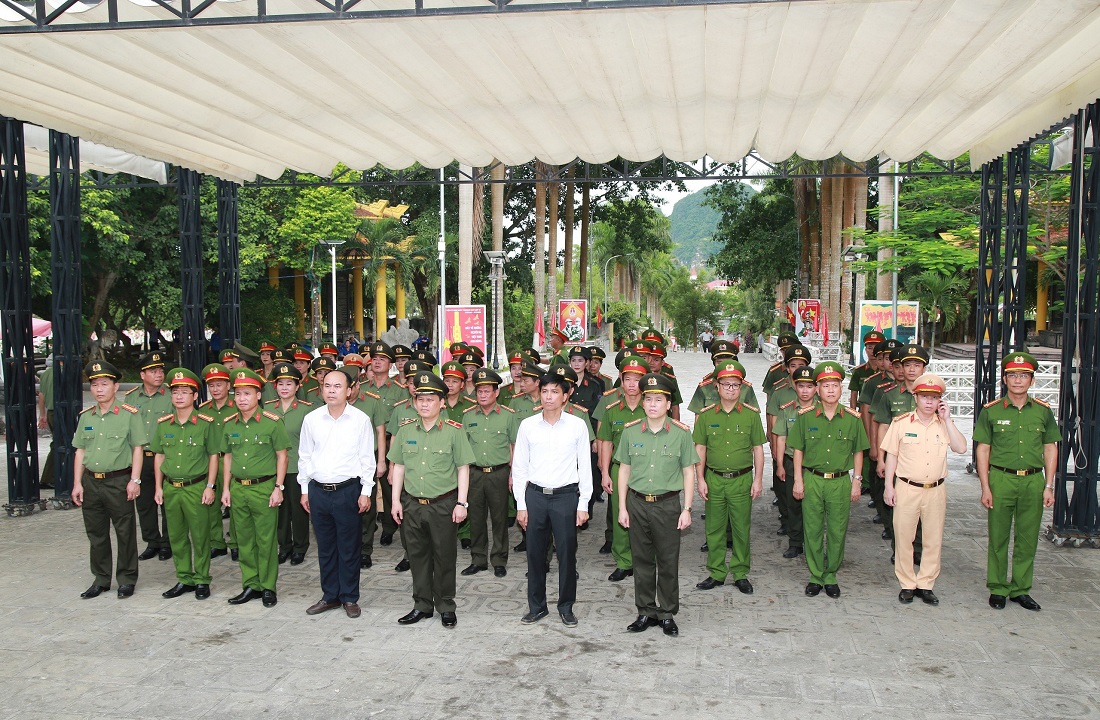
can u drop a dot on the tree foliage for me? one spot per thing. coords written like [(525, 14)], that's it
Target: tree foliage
[(691, 307), (757, 232)]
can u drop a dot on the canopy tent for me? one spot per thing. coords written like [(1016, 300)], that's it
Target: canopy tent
[(92, 157), (816, 78)]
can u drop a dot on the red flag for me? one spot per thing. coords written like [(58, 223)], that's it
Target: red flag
[(824, 326), (539, 338), (599, 317)]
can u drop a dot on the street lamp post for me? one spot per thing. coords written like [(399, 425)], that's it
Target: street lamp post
[(851, 254), (498, 357), (605, 281), (332, 245)]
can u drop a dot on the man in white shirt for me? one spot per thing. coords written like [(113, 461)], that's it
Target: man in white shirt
[(552, 483), (336, 467)]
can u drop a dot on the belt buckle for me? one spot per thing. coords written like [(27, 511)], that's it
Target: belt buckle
[(487, 470), (651, 498), (1021, 473), (547, 491), (423, 501), (99, 476), (176, 484)]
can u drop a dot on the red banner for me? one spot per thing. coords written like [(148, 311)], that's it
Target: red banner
[(464, 323), (573, 320)]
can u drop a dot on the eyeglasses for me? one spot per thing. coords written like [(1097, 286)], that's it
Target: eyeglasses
[(1017, 375), (729, 385)]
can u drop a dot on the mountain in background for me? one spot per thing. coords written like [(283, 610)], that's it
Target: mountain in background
[(693, 225)]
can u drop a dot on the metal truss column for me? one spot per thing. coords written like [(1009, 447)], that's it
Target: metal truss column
[(15, 313), (1014, 283), (1077, 515), (229, 263), (986, 374), (65, 278), (193, 335)]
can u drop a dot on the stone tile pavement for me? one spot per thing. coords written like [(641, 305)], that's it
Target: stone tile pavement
[(775, 654)]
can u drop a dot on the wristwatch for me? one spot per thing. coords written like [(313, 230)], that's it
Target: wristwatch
[(857, 477), (463, 504), (136, 481), (1049, 487), (209, 486), (280, 487)]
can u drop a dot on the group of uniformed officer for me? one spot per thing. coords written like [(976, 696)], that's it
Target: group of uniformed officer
[(445, 439)]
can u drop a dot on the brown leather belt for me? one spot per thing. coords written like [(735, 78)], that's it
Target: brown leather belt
[(489, 468), (429, 501), (732, 474), (926, 485), (253, 481), (1018, 473), (111, 474), (185, 483), (653, 498), (827, 475)]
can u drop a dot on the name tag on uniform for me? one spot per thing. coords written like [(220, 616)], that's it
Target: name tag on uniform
[(168, 436), (714, 425), (473, 424), (410, 442), (234, 435), (637, 444), (89, 427), (813, 429), (910, 434), (1004, 422)]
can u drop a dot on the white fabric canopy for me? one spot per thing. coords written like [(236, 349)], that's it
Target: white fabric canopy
[(36, 141), (816, 79)]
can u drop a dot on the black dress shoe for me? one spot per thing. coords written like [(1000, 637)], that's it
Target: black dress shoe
[(877, 519), (164, 554), (582, 526), (643, 623), (620, 575), (887, 535), (125, 591), (928, 597), (534, 616), (813, 589), (246, 595), (511, 522), (94, 591), (906, 596), (704, 547), (176, 590), (449, 619), (832, 591), (270, 600), (997, 602), (234, 554), (386, 539), (568, 619), (743, 585), (500, 570), (217, 552), (413, 617), (793, 552), (365, 562), (891, 558), (297, 558), (284, 555), (521, 546), (202, 592), (669, 626), (148, 553), (709, 583), (474, 569), (1026, 602), (465, 543), (402, 566), (775, 501), (871, 503), (782, 530), (605, 549)]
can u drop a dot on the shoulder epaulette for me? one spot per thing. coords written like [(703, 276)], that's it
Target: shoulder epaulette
[(679, 424), (307, 403), (708, 381), (1044, 403), (991, 403), (887, 387), (207, 418), (604, 376), (90, 407), (611, 404), (454, 423), (850, 411), (633, 422), (271, 415), (669, 375), (406, 421), (803, 411), (468, 409), (234, 416), (506, 408), (208, 403), (162, 418), (130, 408), (376, 396), (608, 392), (132, 390), (750, 407), (786, 405), (537, 408), (268, 402), (708, 407), (746, 382), (776, 366), (402, 402)]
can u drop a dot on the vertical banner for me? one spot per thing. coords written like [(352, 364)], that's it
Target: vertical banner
[(573, 320), (807, 316), (464, 323), (879, 315)]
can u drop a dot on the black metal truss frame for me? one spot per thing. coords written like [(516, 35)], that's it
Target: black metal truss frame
[(229, 262), (990, 266), (1014, 278), (66, 284), (193, 333), (20, 399), (1079, 395)]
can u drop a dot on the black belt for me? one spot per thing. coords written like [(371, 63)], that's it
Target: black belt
[(429, 501), (253, 481), (827, 475), (732, 474), (111, 474), (653, 498), (330, 487), (489, 468), (926, 485), (1019, 473), (185, 483), (554, 491)]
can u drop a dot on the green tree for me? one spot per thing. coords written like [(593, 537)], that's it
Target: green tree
[(942, 298), (690, 306), (757, 232)]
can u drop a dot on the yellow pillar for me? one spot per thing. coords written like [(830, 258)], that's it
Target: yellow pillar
[(300, 301), (357, 294), (273, 275), (1042, 300), (380, 302), (399, 292)]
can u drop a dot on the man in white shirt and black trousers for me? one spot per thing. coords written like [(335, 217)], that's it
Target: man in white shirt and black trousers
[(552, 483), (336, 466)]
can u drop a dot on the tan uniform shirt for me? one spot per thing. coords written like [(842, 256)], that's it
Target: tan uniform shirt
[(921, 449)]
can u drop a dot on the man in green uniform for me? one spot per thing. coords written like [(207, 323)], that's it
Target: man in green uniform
[(557, 340), (152, 401), (401, 355), (293, 529), (431, 482), (656, 461), (302, 363), (867, 392), (525, 402), (805, 396), (866, 369), (616, 415), (655, 358), (491, 429), (319, 367), (782, 392), (729, 437), (457, 401), (706, 393), (219, 406), (828, 441), (778, 370), (596, 356), (390, 392), (1016, 438), (401, 412), (185, 463), (470, 362), (255, 444), (108, 443)]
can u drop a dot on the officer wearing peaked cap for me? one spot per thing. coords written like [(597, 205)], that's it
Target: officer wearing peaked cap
[(616, 414), (805, 396), (525, 401), (865, 370), (293, 527), (153, 402), (782, 392)]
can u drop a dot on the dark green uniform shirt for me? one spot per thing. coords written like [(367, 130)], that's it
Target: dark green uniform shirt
[(431, 457), (616, 416), (309, 385), (775, 372), (45, 386), (186, 447), (454, 412), (402, 411), (389, 391), (292, 418), (656, 459), (1016, 435), (729, 436), (782, 393), (784, 421), (892, 401), (376, 408), (828, 445), (609, 398), (871, 387), (858, 376), (108, 440), (707, 394), (588, 393), (253, 443), (491, 434), (152, 407), (219, 414)]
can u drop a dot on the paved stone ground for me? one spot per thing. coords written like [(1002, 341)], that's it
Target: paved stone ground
[(774, 654)]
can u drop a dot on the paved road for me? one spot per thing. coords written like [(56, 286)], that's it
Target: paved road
[(775, 654)]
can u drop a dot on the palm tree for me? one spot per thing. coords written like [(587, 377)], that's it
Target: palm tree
[(942, 297)]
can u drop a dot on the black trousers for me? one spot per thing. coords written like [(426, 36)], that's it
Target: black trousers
[(336, 524), (551, 517), (152, 518)]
